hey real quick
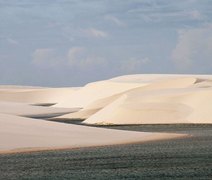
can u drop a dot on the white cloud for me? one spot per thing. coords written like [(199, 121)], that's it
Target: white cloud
[(196, 15), (158, 13), (76, 57), (134, 64), (194, 48), (96, 33), (115, 20), (74, 54), (45, 57), (12, 41), (79, 57)]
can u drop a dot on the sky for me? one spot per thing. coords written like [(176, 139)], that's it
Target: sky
[(73, 42)]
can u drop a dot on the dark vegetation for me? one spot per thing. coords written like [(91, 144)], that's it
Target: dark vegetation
[(189, 158)]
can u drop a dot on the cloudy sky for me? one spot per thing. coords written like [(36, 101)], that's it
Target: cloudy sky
[(72, 42)]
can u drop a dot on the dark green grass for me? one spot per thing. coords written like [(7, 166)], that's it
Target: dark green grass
[(189, 158)]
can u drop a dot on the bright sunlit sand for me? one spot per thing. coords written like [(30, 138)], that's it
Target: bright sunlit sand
[(19, 134), (143, 99), (105, 89), (133, 99)]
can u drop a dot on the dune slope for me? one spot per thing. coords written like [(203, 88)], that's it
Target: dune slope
[(172, 100), (18, 134), (130, 99), (35, 96), (22, 109), (95, 91)]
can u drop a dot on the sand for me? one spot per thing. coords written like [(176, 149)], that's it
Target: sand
[(187, 158), (170, 100), (26, 110), (91, 109), (95, 91), (19, 134), (34, 95), (173, 98), (131, 99)]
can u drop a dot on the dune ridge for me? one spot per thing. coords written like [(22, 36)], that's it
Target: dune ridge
[(131, 99), (183, 99), (20, 134), (34, 95)]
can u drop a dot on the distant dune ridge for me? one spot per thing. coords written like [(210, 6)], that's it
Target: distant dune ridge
[(131, 99), (184, 99), (144, 99), (34, 95)]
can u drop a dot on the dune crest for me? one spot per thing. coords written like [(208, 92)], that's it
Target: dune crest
[(95, 91), (19, 134), (132, 99), (34, 95), (166, 100)]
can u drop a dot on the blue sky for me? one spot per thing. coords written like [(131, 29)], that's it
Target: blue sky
[(73, 42)]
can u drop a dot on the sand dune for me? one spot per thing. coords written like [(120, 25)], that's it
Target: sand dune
[(91, 109), (14, 88), (133, 99), (94, 97), (35, 96), (176, 100), (19, 134), (130, 99), (26, 110), (121, 100), (152, 78), (95, 91)]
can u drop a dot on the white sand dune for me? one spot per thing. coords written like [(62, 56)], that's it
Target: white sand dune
[(94, 102), (182, 99), (35, 96), (91, 109), (95, 91), (95, 96), (152, 78), (173, 98), (19, 134), (16, 88), (132, 99), (79, 115), (26, 110)]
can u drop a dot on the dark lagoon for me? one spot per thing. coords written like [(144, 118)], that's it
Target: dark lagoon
[(189, 158)]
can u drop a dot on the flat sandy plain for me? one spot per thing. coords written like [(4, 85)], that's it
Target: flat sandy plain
[(126, 127)]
